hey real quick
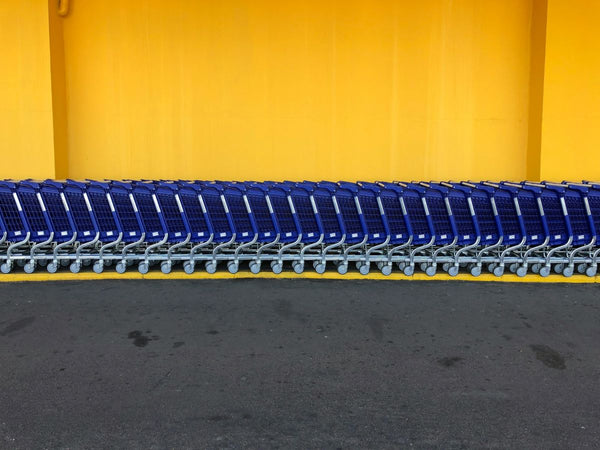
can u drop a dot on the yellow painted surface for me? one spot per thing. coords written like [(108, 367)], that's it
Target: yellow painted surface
[(59, 94), (224, 275), (266, 89), (571, 116), (26, 125)]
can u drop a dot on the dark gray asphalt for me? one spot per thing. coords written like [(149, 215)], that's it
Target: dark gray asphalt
[(299, 363)]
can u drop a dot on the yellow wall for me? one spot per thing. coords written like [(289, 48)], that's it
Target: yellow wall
[(298, 89), (571, 117), (353, 89), (26, 126)]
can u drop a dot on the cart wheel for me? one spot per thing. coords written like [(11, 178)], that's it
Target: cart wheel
[(568, 271), (513, 267), (64, 262), (476, 270), (298, 267), (143, 267), (386, 269), (453, 271), (320, 268), (558, 268), (165, 267), (75, 267), (401, 265), (211, 267), (6, 267), (446, 267), (359, 264), (29, 267), (121, 267), (431, 270), (342, 268), (499, 271), (409, 270), (276, 267), (364, 269), (545, 271), (522, 271), (108, 263), (188, 267), (233, 266), (254, 267), (98, 267), (491, 267), (590, 271), (423, 267), (52, 267), (581, 268), (87, 262), (536, 268), (41, 262)]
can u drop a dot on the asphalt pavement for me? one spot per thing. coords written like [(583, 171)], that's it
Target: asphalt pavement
[(272, 363)]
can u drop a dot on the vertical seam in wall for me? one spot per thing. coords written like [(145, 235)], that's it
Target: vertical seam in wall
[(58, 90), (537, 52)]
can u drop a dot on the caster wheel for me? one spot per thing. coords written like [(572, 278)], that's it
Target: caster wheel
[(342, 268), (276, 267), (254, 267), (108, 263), (431, 270), (233, 267), (5, 268), (499, 271), (409, 271), (52, 267), (591, 271), (21, 262), (121, 267), (476, 270), (522, 271), (568, 271), (211, 267), (581, 268), (423, 267), (87, 262), (98, 267), (320, 268), (401, 266), (165, 267), (453, 271), (536, 268), (143, 267), (446, 267), (364, 269), (75, 267), (64, 262), (558, 268), (359, 264), (298, 267), (491, 267), (545, 271), (386, 270), (188, 267), (29, 267), (513, 267)]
